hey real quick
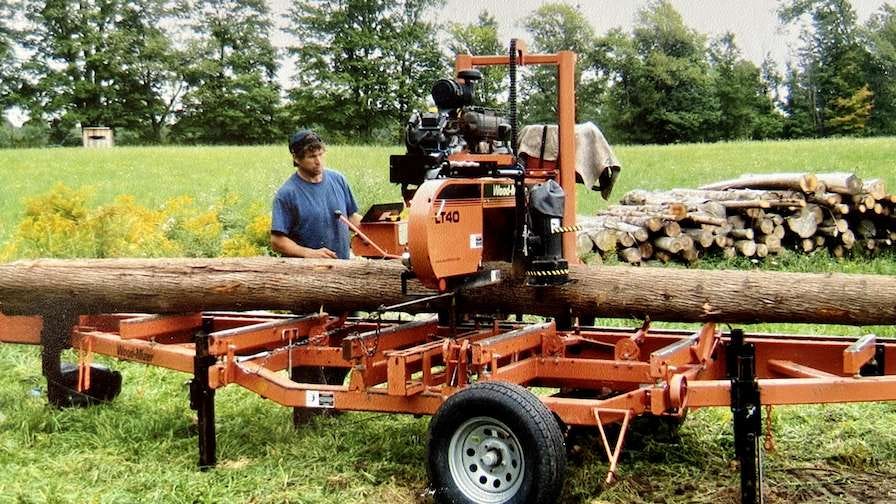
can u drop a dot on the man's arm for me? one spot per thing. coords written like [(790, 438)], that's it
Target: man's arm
[(285, 246), (355, 219)]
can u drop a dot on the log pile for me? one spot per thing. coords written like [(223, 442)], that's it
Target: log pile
[(753, 216)]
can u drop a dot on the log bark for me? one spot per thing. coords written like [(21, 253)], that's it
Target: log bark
[(631, 255), (584, 244), (877, 188), (805, 182), (746, 248), (703, 218), (605, 239), (693, 197), (702, 236), (639, 233), (804, 224), (840, 182), (304, 285)]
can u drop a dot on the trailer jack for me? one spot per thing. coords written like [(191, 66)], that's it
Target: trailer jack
[(747, 412)]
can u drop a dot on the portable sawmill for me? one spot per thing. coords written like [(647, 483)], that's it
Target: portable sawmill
[(470, 197)]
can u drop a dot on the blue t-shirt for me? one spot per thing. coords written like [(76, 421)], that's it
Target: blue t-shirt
[(306, 212)]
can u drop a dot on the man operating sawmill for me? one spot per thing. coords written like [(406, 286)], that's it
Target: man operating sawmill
[(305, 216)]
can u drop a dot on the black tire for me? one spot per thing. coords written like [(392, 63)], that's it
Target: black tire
[(474, 440), (62, 392), (314, 374)]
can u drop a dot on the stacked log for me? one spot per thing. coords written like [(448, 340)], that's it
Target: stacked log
[(753, 216)]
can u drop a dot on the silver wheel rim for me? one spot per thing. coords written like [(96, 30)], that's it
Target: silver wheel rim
[(486, 460)]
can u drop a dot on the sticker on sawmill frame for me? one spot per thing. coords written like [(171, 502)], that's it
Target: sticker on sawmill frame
[(555, 225), (475, 241), (318, 399)]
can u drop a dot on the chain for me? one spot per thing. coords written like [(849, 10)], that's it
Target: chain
[(769, 435), (371, 351)]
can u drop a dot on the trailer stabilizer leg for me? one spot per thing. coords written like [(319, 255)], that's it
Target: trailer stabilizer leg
[(747, 416), (202, 399)]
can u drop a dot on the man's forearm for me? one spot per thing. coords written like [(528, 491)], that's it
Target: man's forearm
[(286, 246)]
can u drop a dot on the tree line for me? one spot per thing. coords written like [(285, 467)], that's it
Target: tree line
[(205, 71)]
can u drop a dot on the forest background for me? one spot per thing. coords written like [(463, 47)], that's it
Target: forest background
[(206, 71)]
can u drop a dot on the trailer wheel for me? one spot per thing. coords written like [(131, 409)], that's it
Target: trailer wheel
[(314, 374), (62, 392), (495, 442)]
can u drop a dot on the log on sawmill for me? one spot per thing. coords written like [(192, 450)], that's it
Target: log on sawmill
[(304, 285)]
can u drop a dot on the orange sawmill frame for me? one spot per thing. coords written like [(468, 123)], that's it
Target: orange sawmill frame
[(565, 61), (413, 367)]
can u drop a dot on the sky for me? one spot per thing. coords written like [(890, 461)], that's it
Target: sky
[(754, 23)]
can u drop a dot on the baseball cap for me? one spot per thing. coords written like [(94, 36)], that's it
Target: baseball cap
[(302, 137)]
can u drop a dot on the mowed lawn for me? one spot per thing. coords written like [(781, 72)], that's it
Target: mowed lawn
[(142, 446)]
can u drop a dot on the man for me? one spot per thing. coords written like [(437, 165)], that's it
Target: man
[(305, 218)]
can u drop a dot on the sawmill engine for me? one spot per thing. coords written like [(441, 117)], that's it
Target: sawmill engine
[(455, 126), (471, 199)]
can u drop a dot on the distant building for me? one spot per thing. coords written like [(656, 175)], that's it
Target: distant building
[(97, 136)]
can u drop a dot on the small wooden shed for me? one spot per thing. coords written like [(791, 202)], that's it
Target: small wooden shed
[(97, 136)]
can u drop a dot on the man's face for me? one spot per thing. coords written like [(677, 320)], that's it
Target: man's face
[(312, 164)]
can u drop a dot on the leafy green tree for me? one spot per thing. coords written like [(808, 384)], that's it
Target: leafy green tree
[(555, 27), (800, 105), (97, 63), (771, 124), (831, 62), (880, 39), (232, 96), (850, 115), (746, 109), (8, 63), (481, 38), (362, 65), (149, 78), (661, 91)]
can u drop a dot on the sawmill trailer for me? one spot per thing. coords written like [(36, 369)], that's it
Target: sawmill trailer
[(490, 439), (471, 200)]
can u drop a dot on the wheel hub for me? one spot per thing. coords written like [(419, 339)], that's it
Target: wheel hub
[(486, 460)]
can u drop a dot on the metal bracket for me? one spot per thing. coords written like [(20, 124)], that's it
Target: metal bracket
[(614, 452), (876, 366)]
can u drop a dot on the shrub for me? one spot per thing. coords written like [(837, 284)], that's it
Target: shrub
[(61, 224)]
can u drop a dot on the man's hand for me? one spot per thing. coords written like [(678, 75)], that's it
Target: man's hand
[(284, 245), (321, 253)]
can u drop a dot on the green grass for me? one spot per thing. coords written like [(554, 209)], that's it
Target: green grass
[(155, 174), (142, 446)]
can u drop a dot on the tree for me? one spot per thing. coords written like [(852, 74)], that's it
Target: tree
[(232, 96), (362, 65), (799, 106), (746, 109), (149, 79), (96, 63), (8, 71), (850, 115), (481, 38), (831, 61), (661, 90), (558, 27), (880, 39)]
